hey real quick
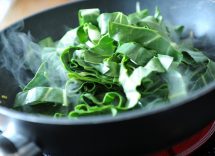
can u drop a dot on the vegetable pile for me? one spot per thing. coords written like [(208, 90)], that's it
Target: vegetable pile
[(112, 63)]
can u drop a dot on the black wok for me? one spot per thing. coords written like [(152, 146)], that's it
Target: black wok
[(132, 133)]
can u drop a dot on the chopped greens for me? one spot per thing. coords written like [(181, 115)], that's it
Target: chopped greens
[(112, 63)]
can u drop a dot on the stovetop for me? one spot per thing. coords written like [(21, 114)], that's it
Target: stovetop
[(207, 149)]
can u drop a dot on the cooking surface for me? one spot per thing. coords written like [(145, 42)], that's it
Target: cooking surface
[(23, 8)]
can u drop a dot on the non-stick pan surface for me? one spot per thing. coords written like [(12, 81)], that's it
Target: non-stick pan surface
[(132, 133)]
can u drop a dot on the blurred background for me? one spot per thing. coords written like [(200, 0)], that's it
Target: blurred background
[(14, 10)]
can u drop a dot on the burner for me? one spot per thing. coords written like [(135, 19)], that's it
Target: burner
[(192, 146)]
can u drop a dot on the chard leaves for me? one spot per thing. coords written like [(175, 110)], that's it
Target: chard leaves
[(131, 82), (113, 63), (88, 16), (106, 18), (149, 38), (135, 52), (39, 95)]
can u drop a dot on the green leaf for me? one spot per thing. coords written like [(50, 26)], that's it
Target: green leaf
[(114, 66), (69, 39), (91, 77), (53, 65), (147, 37), (105, 46), (93, 33), (47, 42), (205, 78), (85, 110), (196, 55), (38, 80), (130, 89), (40, 95), (136, 52), (88, 16), (157, 15), (179, 30), (82, 33), (106, 18), (93, 57), (66, 57), (152, 23), (134, 18), (110, 98), (166, 61), (176, 84)]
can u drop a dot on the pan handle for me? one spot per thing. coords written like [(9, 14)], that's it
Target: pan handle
[(17, 145)]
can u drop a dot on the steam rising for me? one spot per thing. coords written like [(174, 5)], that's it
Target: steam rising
[(19, 54), (22, 57)]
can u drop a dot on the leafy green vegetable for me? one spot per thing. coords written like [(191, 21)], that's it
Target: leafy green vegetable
[(177, 85), (113, 63), (93, 33), (47, 42), (106, 18), (105, 46), (149, 38), (39, 95), (205, 78), (135, 52), (130, 83), (88, 16), (134, 18), (38, 80)]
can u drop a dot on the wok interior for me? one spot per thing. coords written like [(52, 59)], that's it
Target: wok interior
[(195, 15)]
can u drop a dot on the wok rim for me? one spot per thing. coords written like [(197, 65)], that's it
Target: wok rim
[(101, 119)]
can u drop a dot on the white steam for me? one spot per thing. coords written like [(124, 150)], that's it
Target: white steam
[(22, 57), (19, 54)]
